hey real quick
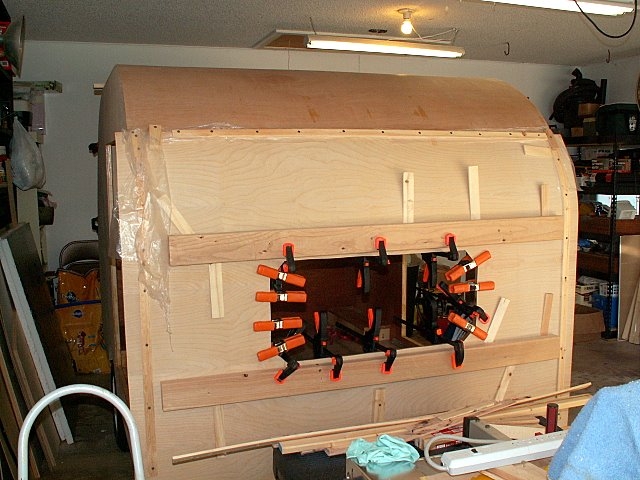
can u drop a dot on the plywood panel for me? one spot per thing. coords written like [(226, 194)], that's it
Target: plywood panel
[(223, 98), (338, 181)]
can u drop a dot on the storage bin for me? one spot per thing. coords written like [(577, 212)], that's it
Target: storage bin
[(611, 317), (617, 119)]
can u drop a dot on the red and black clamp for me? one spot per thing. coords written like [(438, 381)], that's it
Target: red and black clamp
[(292, 366), (364, 276), (430, 275), (381, 245), (289, 264), (277, 292), (372, 335), (457, 357), (320, 341), (335, 375), (388, 363)]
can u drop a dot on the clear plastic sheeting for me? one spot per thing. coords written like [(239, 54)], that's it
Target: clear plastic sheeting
[(143, 214)]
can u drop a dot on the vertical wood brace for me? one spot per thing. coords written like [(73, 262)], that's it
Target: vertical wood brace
[(379, 405), (408, 197), (564, 168), (218, 426), (149, 446), (544, 200), (504, 383), (408, 208), (474, 193), (546, 313), (496, 320)]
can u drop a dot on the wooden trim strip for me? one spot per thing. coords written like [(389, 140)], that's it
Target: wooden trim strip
[(358, 371), (336, 242)]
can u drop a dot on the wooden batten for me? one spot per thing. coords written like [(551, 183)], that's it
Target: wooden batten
[(224, 168)]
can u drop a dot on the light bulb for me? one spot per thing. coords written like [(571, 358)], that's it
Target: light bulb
[(406, 27)]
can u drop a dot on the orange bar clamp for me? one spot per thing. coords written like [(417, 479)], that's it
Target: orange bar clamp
[(469, 327), (459, 288), (272, 296), (275, 274), (458, 270), (277, 324), (281, 347)]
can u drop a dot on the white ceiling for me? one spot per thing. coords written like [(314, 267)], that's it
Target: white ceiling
[(534, 35)]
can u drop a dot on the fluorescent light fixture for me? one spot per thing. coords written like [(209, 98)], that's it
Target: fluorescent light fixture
[(597, 7), (397, 47)]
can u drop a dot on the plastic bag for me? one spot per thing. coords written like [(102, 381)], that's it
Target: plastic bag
[(27, 164)]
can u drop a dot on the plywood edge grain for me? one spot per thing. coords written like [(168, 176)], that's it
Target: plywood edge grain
[(358, 371), (336, 242)]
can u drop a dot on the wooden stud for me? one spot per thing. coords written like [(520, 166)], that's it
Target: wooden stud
[(353, 241)]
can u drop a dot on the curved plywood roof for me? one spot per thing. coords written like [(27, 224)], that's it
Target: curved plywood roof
[(176, 97)]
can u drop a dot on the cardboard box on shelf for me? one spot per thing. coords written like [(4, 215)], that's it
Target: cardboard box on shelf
[(588, 323)]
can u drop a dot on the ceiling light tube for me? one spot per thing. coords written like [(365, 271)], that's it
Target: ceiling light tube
[(353, 44), (592, 6)]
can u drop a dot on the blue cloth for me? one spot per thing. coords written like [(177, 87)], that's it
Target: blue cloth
[(603, 442), (386, 457)]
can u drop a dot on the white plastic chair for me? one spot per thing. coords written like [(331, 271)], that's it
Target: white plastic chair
[(134, 437)]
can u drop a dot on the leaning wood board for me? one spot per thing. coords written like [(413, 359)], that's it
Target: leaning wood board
[(309, 163)]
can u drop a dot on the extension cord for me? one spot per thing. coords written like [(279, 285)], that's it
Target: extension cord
[(502, 453)]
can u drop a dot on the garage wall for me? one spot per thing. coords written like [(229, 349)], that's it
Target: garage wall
[(72, 117)]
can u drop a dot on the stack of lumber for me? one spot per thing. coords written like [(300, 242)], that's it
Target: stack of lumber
[(520, 411)]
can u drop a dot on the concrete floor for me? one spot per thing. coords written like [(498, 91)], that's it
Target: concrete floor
[(95, 456)]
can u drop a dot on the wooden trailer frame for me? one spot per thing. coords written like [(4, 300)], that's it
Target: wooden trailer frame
[(201, 179)]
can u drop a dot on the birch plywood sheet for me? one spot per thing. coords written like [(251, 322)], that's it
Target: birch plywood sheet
[(251, 182)]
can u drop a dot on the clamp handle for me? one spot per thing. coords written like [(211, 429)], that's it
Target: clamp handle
[(467, 326), (457, 271), (459, 288), (275, 274), (281, 347), (277, 324), (273, 296)]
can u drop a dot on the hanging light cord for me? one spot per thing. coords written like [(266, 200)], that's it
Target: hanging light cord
[(633, 22)]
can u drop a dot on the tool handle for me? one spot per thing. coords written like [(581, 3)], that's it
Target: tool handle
[(457, 271), (459, 288), (277, 324), (267, 353), (294, 296), (469, 327), (275, 274), (286, 345), (483, 257)]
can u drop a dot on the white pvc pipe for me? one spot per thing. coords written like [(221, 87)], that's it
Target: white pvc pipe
[(134, 438)]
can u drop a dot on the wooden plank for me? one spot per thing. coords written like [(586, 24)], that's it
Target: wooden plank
[(544, 200), (408, 197), (336, 242), (546, 314), (496, 320), (504, 383), (379, 405), (363, 370), (27, 323), (218, 425), (474, 192)]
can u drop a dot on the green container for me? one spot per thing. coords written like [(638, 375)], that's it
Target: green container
[(618, 119)]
